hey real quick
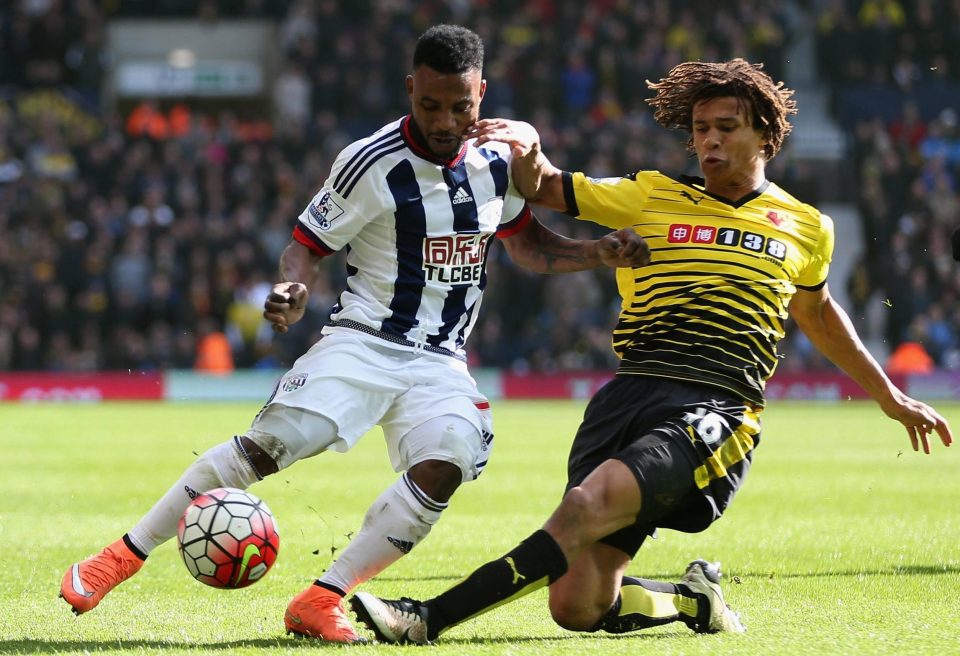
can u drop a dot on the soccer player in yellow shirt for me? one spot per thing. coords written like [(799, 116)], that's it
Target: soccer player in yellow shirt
[(668, 442)]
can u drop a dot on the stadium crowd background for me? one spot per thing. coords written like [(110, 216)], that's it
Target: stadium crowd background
[(148, 238)]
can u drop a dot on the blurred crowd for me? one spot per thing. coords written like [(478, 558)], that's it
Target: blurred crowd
[(906, 152), (149, 239)]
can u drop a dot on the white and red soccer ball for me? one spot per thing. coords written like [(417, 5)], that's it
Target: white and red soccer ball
[(228, 538)]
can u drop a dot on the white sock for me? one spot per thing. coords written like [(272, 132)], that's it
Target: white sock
[(225, 465), (396, 522)]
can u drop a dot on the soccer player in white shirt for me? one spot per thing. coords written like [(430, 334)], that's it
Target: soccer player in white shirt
[(417, 209)]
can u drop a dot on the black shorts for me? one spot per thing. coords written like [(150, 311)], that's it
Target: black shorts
[(688, 445)]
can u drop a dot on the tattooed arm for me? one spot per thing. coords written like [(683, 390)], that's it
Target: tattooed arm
[(540, 249)]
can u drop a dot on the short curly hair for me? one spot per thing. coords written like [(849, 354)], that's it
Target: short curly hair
[(768, 102), (449, 49)]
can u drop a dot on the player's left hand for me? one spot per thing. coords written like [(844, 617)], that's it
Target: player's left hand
[(623, 248), (920, 420)]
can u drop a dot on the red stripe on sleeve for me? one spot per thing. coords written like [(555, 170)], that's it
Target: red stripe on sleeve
[(312, 242), (517, 224)]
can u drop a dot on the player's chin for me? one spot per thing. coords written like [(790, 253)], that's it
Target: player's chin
[(446, 148)]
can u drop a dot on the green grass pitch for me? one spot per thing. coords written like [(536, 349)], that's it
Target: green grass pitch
[(843, 540)]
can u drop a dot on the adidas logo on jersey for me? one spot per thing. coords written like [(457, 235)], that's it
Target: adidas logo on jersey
[(462, 196)]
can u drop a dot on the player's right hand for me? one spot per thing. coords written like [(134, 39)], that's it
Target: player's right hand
[(919, 419), (285, 305), (522, 137)]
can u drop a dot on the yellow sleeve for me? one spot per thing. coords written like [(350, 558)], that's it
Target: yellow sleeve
[(815, 273), (612, 202)]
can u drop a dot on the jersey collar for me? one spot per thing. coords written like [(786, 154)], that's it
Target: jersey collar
[(414, 139), (699, 184)]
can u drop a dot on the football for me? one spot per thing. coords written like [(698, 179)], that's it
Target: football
[(228, 538)]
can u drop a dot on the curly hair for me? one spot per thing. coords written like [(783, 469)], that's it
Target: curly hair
[(449, 49), (768, 103)]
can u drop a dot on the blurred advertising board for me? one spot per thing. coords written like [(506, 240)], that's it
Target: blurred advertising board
[(88, 387)]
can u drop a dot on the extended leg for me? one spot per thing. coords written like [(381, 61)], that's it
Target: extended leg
[(398, 520), (608, 500)]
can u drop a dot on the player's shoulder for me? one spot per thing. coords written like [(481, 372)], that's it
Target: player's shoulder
[(492, 150), (643, 178), (389, 134), (796, 206), (365, 159)]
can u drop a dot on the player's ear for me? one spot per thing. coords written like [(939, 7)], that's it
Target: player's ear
[(483, 88), (409, 83)]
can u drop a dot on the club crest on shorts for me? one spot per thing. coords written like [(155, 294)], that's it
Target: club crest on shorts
[(324, 211), (294, 382)]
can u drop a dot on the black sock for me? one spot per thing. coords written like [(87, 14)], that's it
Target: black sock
[(642, 604), (132, 547), (534, 563), (332, 588)]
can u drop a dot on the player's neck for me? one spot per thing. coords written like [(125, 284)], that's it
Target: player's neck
[(736, 186), (417, 136)]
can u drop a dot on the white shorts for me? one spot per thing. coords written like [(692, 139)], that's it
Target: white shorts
[(358, 381)]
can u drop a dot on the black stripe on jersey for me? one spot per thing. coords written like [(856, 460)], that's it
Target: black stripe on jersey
[(468, 315), (675, 213), (671, 282), (724, 314), (462, 202), (498, 171), (814, 288), (454, 307), (351, 271), (411, 228), (483, 273), (628, 334), (706, 328), (713, 351), (566, 178), (672, 360), (386, 140), (699, 183), (373, 160), (700, 262), (738, 296)]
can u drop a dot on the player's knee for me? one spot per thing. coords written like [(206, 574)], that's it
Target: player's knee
[(573, 614), (584, 516), (261, 460), (580, 504), (438, 479), (282, 436), (442, 453)]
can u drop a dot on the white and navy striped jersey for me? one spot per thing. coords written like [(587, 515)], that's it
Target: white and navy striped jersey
[(417, 231)]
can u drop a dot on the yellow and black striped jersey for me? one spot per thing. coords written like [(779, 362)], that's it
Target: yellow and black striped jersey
[(711, 305)]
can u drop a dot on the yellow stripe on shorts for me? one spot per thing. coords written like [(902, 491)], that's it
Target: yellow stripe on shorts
[(733, 450)]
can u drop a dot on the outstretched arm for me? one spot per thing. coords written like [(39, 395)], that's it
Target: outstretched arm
[(539, 249), (536, 178), (830, 330), (287, 301)]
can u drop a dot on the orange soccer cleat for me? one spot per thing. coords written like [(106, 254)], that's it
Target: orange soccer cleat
[(319, 613), (86, 582)]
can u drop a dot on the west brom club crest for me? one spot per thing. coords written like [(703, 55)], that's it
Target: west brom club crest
[(294, 382)]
